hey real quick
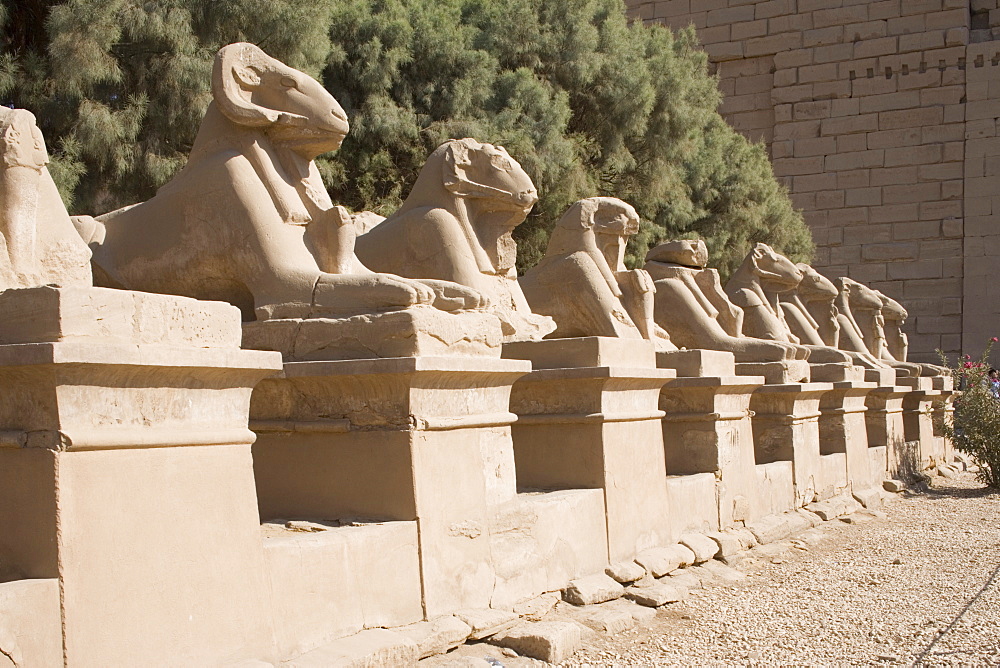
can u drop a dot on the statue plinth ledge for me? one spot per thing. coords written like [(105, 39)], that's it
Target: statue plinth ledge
[(420, 331)]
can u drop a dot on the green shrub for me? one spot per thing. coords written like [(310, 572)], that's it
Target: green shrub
[(975, 427)]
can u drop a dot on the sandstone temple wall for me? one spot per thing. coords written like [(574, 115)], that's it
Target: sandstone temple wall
[(881, 118)]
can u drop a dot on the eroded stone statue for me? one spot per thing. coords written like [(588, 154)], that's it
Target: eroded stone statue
[(38, 243), (861, 332), (810, 311), (582, 281), (893, 317), (456, 225), (692, 307), (756, 287), (248, 219)]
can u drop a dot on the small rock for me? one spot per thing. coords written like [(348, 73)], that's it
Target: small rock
[(729, 543), (826, 509), (947, 472), (625, 572), (703, 547), (869, 498), (897, 561), (802, 520), (740, 560), (534, 609), (547, 641), (894, 486), (888, 657), (592, 589), (659, 561), (769, 529), (685, 578), (487, 621), (304, 526), (655, 595), (609, 621)]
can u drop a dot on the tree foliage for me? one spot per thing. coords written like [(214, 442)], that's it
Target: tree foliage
[(588, 103)]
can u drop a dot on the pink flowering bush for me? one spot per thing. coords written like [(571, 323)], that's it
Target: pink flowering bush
[(975, 427)]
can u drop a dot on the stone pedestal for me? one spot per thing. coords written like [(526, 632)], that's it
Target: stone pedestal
[(943, 410), (587, 417), (125, 472), (884, 423), (776, 373), (707, 429), (842, 431), (786, 428), (423, 439), (918, 421)]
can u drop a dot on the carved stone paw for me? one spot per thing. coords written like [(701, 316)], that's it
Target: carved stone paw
[(450, 296)]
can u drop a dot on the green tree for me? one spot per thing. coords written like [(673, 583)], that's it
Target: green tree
[(119, 87), (588, 103)]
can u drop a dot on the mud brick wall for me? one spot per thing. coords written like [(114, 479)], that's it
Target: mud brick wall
[(881, 118)]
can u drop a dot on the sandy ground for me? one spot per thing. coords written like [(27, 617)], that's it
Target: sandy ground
[(920, 586)]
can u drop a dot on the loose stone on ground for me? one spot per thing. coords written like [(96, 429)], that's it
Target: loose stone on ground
[(918, 584)]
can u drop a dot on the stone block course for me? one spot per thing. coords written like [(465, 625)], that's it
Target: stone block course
[(898, 105)]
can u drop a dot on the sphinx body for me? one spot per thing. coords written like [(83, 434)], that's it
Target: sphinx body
[(893, 316), (582, 282), (248, 219), (456, 225), (861, 333), (756, 287), (864, 313), (809, 309), (693, 309), (38, 242)]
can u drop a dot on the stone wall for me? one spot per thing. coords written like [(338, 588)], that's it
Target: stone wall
[(880, 117)]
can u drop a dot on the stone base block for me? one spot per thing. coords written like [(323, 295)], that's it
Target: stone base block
[(436, 636), (588, 351), (540, 541), (336, 582), (105, 316), (374, 647), (879, 464), (697, 363), (870, 498), (836, 373), (418, 438), (595, 427), (881, 377), (30, 624), (833, 475), (707, 429), (417, 331), (592, 589), (922, 383), (786, 428), (553, 642), (775, 487), (693, 505), (776, 373), (944, 383)]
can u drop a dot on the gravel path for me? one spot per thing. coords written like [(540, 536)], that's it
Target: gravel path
[(918, 587)]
